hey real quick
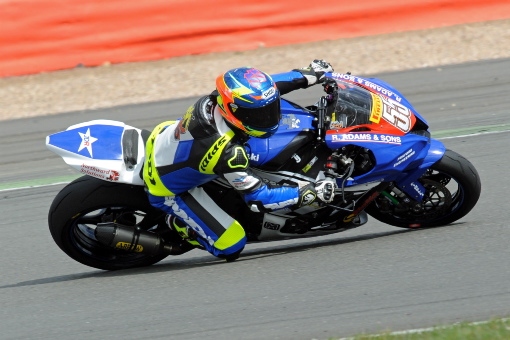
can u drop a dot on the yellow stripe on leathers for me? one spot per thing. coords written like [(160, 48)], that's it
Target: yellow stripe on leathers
[(230, 237), (150, 173), (212, 155)]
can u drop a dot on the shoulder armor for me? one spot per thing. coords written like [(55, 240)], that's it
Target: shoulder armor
[(202, 122)]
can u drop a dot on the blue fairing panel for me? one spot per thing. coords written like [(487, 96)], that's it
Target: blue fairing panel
[(294, 120), (394, 156), (93, 141)]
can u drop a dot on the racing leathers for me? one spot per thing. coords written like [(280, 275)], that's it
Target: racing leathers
[(200, 147)]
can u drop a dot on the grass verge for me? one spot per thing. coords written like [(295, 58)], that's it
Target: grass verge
[(498, 329)]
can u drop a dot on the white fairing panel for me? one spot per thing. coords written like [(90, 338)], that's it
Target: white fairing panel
[(95, 148)]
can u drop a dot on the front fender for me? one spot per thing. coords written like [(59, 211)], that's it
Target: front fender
[(410, 184)]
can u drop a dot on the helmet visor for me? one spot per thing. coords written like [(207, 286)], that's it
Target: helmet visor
[(261, 118)]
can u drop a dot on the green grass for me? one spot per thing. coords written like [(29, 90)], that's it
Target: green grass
[(492, 330)]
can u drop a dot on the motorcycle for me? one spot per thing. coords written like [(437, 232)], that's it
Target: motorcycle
[(362, 133)]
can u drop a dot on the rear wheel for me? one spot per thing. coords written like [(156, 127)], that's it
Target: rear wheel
[(85, 202), (452, 190)]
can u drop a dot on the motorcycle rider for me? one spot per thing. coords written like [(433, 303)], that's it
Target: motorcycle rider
[(207, 143)]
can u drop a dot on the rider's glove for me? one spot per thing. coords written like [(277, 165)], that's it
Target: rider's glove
[(307, 195), (314, 73), (325, 189)]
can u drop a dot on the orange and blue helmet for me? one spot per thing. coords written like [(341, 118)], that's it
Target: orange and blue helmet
[(249, 100)]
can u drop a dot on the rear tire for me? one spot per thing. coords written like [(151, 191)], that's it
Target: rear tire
[(86, 201), (455, 182)]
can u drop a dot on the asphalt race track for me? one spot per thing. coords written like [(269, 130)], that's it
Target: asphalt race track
[(370, 279)]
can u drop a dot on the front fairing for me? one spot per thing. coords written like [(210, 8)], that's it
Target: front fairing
[(380, 88), (374, 116)]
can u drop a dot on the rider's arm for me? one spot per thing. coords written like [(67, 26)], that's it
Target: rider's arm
[(303, 77), (258, 195), (289, 81)]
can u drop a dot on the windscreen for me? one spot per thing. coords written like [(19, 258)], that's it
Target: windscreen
[(353, 106)]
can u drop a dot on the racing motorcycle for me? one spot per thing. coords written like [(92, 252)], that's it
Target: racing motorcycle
[(362, 133)]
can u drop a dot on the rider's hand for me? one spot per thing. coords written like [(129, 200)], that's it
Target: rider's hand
[(325, 189), (307, 195), (314, 73)]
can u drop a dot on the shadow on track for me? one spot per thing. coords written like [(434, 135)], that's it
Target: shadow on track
[(207, 260)]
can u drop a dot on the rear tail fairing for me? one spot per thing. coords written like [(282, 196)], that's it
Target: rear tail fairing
[(105, 149)]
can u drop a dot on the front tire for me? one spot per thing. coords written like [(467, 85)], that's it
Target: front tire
[(452, 189), (86, 201)]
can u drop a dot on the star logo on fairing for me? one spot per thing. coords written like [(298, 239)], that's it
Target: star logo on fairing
[(86, 142)]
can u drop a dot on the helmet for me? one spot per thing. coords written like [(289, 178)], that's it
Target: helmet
[(249, 100)]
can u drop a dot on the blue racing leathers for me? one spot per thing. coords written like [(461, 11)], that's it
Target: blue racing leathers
[(200, 147)]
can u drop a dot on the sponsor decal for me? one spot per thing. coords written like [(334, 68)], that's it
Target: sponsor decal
[(296, 158), (104, 174), (150, 174), (417, 189), (368, 84), (269, 93), (239, 182), (183, 125), (280, 205), (404, 157), (254, 157), (271, 226), (86, 141), (335, 125), (377, 109), (213, 153), (366, 137), (291, 121), (396, 114), (129, 246), (150, 157)]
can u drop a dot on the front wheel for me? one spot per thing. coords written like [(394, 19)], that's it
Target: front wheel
[(452, 189), (85, 202)]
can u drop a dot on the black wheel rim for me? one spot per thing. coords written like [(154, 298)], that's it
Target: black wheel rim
[(443, 197)]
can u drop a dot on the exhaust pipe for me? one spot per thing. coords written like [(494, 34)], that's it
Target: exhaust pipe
[(134, 239)]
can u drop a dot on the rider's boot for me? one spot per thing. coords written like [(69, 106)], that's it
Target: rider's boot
[(184, 231), (190, 236)]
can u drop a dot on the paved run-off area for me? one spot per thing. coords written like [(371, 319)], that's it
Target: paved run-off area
[(111, 85)]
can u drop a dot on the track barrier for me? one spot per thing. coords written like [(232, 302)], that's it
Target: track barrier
[(48, 35)]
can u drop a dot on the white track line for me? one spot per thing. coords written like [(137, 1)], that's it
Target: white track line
[(50, 184)]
